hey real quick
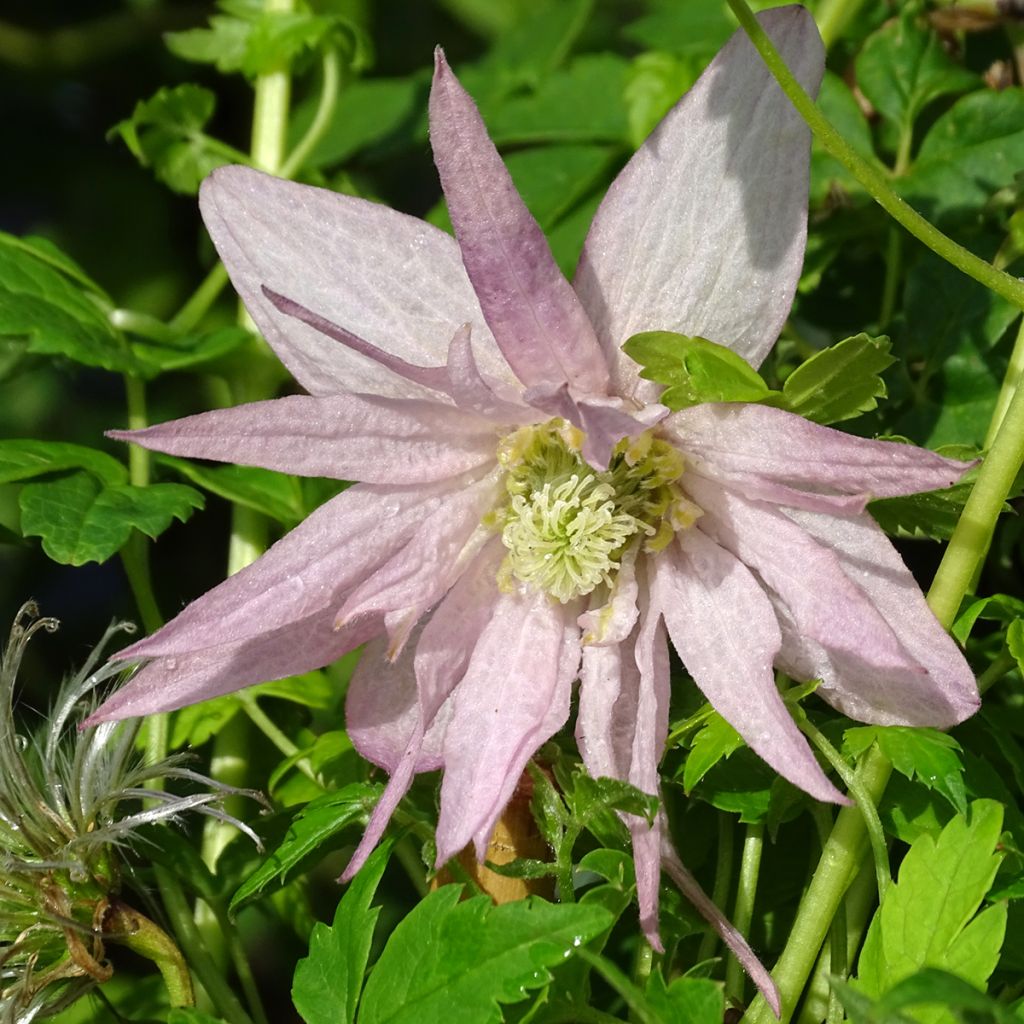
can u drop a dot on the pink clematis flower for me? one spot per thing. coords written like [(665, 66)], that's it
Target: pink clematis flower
[(527, 514)]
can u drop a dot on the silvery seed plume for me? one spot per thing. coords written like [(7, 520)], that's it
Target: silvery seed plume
[(71, 803)]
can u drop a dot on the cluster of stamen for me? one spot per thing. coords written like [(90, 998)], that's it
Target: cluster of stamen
[(567, 525)]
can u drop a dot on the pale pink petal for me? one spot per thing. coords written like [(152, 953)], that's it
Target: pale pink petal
[(433, 377), (391, 279), (945, 696), (346, 437), (473, 393), (737, 944), (703, 231), (536, 318), (824, 603), (611, 623), (434, 556), (308, 570), (727, 636), (513, 696), (751, 485), (167, 683), (781, 447)]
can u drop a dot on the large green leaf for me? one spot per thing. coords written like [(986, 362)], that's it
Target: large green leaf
[(452, 962), (24, 459), (46, 300), (80, 520), (330, 979)]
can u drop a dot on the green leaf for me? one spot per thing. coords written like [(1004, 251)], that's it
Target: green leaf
[(189, 1015), (166, 133), (838, 383), (973, 150), (45, 299), (902, 68), (276, 495), (694, 370), (656, 82), (1015, 642), (24, 459), (195, 350), (696, 28), (716, 740), (331, 977), (837, 102), (932, 986), (927, 918), (584, 103), (1003, 608), (316, 824), (80, 520), (741, 785), (693, 1000), (932, 515), (223, 44), (452, 962), (930, 756)]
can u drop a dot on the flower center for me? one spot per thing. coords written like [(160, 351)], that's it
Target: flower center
[(566, 526)]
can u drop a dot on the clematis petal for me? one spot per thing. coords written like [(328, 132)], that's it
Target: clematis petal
[(346, 437), (535, 315), (760, 488), (433, 377), (514, 695), (434, 556), (306, 571), (737, 944), (171, 682), (473, 393), (394, 280), (703, 232), (725, 631), (948, 694), (780, 447), (611, 623), (825, 604)]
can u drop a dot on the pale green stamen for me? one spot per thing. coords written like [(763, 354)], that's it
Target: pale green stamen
[(566, 526)]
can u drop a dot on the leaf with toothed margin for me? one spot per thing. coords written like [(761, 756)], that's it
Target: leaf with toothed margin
[(454, 962)]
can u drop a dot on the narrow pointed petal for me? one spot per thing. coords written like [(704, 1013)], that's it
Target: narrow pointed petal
[(168, 683), (434, 556), (948, 694), (752, 485), (345, 437), (513, 696), (727, 932), (535, 315), (781, 447), (824, 603), (726, 633), (393, 280), (473, 393), (433, 377), (306, 571), (703, 232)]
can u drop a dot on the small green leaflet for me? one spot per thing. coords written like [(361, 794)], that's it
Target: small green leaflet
[(930, 756), (331, 977), (189, 1015), (835, 384), (694, 370), (24, 459), (716, 740), (49, 302), (166, 133), (693, 1000), (316, 824), (838, 383), (929, 917), (82, 520), (926, 988), (452, 962)]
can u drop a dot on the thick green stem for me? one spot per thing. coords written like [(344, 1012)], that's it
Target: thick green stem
[(874, 180), (723, 882), (833, 16), (743, 914), (270, 110), (840, 861), (1011, 383)]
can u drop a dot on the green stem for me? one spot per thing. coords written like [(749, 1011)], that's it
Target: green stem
[(330, 88), (973, 532), (743, 914), (873, 824), (270, 110), (893, 268), (263, 722), (1011, 382), (201, 300), (723, 883), (127, 927), (209, 974), (996, 671), (874, 180), (839, 864), (833, 16)]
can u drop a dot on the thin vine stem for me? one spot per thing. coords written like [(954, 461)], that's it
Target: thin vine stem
[(723, 882), (743, 913), (330, 88), (874, 180)]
